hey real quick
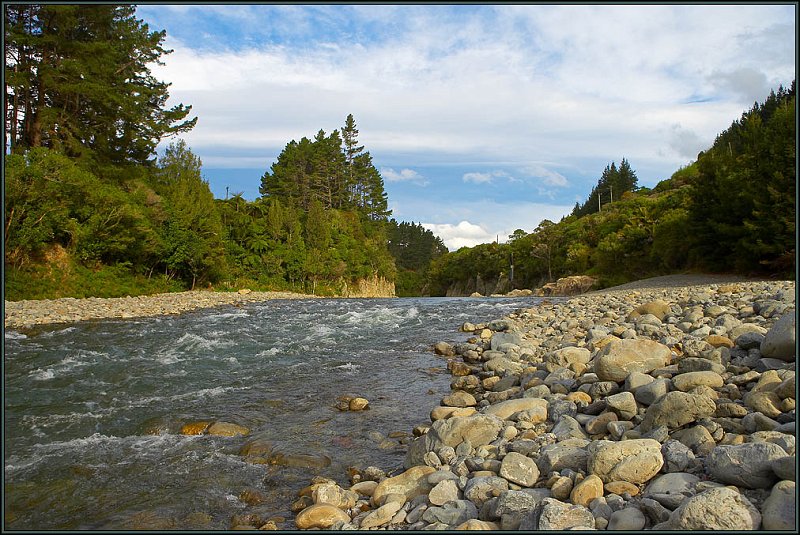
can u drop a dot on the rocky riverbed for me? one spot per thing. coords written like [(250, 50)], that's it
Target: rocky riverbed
[(29, 313), (669, 408)]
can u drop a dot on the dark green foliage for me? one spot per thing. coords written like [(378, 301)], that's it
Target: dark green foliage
[(413, 248), (78, 81), (332, 170), (743, 198), (612, 185)]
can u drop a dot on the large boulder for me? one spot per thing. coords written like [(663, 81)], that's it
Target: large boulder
[(717, 509), (744, 465), (621, 357), (505, 409), (676, 409), (779, 509), (573, 285), (635, 461), (410, 484), (478, 430), (779, 342)]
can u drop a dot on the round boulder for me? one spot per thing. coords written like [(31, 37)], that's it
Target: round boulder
[(618, 359), (635, 461)]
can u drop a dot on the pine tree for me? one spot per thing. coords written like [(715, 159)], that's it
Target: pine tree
[(78, 80)]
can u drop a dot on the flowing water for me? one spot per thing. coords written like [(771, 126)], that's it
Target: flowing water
[(93, 411)]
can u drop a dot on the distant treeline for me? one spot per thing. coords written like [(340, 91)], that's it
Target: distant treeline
[(732, 210)]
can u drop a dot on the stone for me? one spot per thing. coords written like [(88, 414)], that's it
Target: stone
[(442, 413), (621, 487), (556, 515), (730, 410), (444, 491), (599, 424), (459, 398), (649, 393), (716, 340), (658, 308), (785, 467), (690, 380), (676, 409), (562, 358), (635, 461), (444, 349), (570, 453), (635, 380), (672, 488), (226, 429), (587, 490), (745, 465), (358, 404), (767, 403), (505, 409), (787, 388), (616, 360), (321, 515), (697, 438), (480, 489), (410, 484), (778, 511), (623, 404), (474, 524), (503, 365), (627, 519), (335, 495), (452, 513), (715, 509), (195, 428), (779, 342), (478, 429), (519, 469), (298, 460), (568, 427), (364, 488), (382, 515)]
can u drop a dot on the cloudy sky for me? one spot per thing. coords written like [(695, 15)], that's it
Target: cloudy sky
[(481, 118)]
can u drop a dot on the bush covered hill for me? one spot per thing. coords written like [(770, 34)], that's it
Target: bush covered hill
[(732, 210)]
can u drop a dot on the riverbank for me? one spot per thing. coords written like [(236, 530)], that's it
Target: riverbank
[(29, 313), (663, 404)]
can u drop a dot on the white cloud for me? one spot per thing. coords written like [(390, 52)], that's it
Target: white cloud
[(485, 178), (404, 175), (548, 177), (464, 234)]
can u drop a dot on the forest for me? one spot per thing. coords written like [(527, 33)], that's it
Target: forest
[(92, 210)]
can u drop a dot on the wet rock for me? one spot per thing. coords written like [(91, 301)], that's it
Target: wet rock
[(195, 428), (358, 404), (410, 483), (226, 429), (444, 349), (320, 516)]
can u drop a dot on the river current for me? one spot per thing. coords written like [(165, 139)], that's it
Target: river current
[(93, 410)]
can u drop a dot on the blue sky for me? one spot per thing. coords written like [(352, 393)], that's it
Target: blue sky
[(481, 118)]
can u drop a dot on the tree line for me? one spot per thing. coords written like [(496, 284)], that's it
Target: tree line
[(90, 209), (732, 210)]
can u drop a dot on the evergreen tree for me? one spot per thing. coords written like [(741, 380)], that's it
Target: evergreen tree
[(78, 80)]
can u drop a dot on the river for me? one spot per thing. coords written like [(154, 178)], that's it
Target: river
[(93, 410)]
